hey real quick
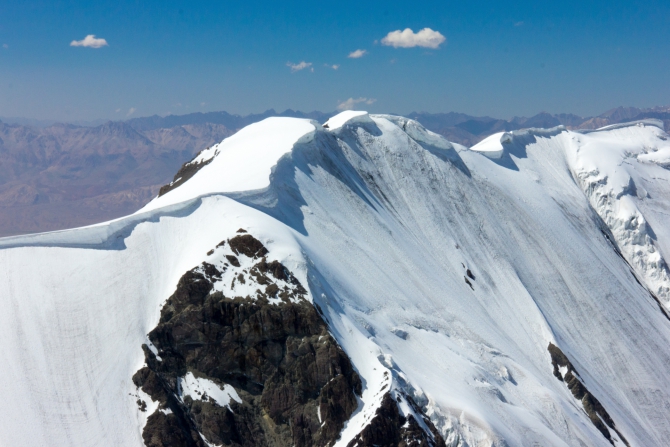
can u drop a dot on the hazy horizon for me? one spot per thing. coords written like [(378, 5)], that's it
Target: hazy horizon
[(96, 122), (74, 60)]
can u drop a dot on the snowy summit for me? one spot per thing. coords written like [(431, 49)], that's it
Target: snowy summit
[(358, 282)]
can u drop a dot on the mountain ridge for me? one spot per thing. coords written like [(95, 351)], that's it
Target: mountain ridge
[(486, 296), (66, 175)]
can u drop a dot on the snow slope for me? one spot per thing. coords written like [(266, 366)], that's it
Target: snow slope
[(241, 162), (493, 146), (624, 172), (442, 272)]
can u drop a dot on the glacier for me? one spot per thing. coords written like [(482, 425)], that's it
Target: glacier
[(443, 272)]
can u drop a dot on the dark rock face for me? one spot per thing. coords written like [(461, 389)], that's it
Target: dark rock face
[(187, 170), (593, 408), (248, 245), (296, 385), (389, 428), (161, 427)]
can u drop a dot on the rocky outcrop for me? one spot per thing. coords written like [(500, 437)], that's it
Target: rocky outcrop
[(389, 428), (593, 408), (187, 170), (292, 383)]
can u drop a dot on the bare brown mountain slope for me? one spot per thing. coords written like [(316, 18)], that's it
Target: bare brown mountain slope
[(64, 175)]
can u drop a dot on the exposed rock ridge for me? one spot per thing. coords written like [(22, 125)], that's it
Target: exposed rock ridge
[(292, 383), (593, 408), (187, 170), (391, 428)]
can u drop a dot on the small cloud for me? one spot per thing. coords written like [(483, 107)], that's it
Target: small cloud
[(426, 38), (393, 61), (519, 23), (357, 54), (89, 41), (351, 103), (118, 110), (334, 66), (131, 111), (300, 66), (5, 46), (202, 104)]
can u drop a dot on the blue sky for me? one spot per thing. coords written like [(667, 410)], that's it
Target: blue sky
[(499, 58)]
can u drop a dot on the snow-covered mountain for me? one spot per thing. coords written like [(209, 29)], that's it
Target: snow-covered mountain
[(361, 282)]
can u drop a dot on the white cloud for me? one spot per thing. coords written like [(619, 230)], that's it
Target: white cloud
[(202, 104), (5, 46), (351, 103), (118, 110), (357, 54), (519, 23), (89, 41), (426, 38), (131, 111), (300, 66), (334, 66)]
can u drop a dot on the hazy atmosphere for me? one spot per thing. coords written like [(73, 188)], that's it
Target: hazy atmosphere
[(334, 224), (81, 60)]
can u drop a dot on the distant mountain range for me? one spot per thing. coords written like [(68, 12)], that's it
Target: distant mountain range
[(65, 175), (469, 130), (56, 176)]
